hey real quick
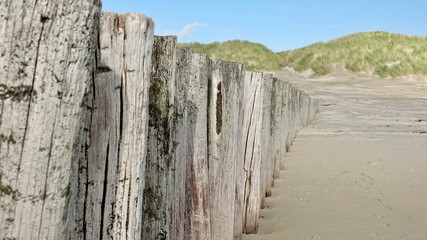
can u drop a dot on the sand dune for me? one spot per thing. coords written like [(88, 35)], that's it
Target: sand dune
[(359, 171)]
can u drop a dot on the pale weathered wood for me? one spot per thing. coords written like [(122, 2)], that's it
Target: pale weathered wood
[(225, 94), (110, 178), (279, 121), (280, 144), (89, 150), (100, 179), (138, 42), (196, 69), (284, 123), (198, 95), (275, 122), (291, 115), (183, 133), (161, 165), (291, 110), (46, 62), (265, 136), (177, 170), (251, 135)]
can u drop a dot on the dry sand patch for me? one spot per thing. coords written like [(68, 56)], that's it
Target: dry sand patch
[(360, 170)]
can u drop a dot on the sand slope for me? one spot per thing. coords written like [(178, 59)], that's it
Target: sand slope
[(360, 170)]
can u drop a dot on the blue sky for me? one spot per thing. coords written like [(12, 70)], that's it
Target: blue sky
[(278, 24)]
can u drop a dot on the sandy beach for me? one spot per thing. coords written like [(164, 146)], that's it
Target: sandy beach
[(359, 171)]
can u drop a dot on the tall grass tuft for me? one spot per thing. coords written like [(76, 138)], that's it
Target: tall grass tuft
[(385, 54), (382, 53), (254, 56)]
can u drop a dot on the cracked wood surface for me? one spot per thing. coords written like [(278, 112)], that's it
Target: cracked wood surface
[(89, 151), (248, 195), (160, 189), (112, 186), (224, 139), (46, 59)]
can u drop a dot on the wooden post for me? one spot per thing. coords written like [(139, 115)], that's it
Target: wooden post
[(223, 132), (196, 69), (46, 64), (134, 139), (251, 152), (161, 166), (110, 180)]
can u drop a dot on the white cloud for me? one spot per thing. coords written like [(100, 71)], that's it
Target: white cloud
[(187, 30)]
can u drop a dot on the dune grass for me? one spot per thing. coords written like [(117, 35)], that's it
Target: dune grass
[(254, 56), (382, 53), (385, 54)]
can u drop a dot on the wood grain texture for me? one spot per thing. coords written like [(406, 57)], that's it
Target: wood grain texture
[(184, 120), (197, 177), (251, 136), (47, 52), (108, 133), (110, 177), (224, 112), (161, 166)]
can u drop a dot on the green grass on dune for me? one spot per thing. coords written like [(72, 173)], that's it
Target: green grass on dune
[(385, 54), (254, 56)]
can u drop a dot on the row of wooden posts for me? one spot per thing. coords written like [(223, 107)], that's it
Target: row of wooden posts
[(108, 132)]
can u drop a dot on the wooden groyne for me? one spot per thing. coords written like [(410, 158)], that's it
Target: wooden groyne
[(108, 132)]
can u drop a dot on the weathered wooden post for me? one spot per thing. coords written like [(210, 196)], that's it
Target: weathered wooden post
[(265, 136), (196, 69), (251, 152), (110, 177), (47, 56), (89, 150), (223, 132), (162, 167)]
